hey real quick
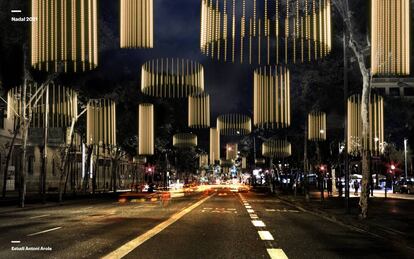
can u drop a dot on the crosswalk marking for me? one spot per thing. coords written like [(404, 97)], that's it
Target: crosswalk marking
[(250, 211)]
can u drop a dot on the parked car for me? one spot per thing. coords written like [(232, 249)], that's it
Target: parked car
[(403, 186)]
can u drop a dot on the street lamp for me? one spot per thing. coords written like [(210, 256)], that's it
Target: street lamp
[(405, 157)]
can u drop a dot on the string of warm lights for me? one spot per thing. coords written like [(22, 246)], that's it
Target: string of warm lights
[(265, 31), (374, 141), (184, 140), (146, 129), (271, 97), (390, 37), (172, 78), (199, 110), (62, 105), (317, 126), (234, 124), (137, 25), (276, 148), (101, 122), (65, 34)]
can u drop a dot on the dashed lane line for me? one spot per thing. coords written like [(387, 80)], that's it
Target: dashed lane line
[(276, 253), (265, 235), (44, 231), (40, 216)]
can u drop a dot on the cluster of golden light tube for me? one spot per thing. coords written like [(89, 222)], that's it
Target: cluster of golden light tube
[(214, 145), (390, 37), (199, 110), (203, 160), (184, 140), (266, 31), (374, 141), (231, 151), (137, 26), (101, 122), (276, 148), (172, 78), (146, 129), (271, 99), (259, 161), (234, 124), (65, 33), (317, 126), (63, 105)]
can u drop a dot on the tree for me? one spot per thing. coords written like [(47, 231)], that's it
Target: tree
[(359, 50)]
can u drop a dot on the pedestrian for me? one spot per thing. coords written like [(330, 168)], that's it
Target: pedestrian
[(356, 187), (329, 186)]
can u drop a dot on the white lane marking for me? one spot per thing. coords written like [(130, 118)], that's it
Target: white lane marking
[(15, 242), (16, 11), (253, 216), (44, 231), (270, 210), (231, 209), (246, 204), (276, 253), (134, 243), (40, 216), (207, 208), (248, 207), (265, 235), (250, 211), (258, 223)]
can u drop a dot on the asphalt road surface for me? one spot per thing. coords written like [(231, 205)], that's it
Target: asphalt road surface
[(219, 225)]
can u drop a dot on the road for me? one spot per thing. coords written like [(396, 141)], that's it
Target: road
[(220, 225)]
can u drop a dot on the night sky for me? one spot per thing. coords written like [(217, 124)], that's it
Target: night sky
[(177, 33)]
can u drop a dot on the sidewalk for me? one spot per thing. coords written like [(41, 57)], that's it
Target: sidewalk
[(391, 219)]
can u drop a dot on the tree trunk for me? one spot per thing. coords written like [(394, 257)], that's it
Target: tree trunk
[(9, 153), (363, 200), (62, 183)]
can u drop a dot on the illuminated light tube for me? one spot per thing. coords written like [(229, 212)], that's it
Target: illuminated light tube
[(214, 145), (234, 124), (317, 126), (390, 37), (199, 111), (271, 97), (276, 148), (259, 161), (146, 129), (262, 32), (231, 151), (374, 141), (184, 140), (172, 78), (244, 163), (101, 122), (62, 105), (203, 160), (64, 37), (137, 24)]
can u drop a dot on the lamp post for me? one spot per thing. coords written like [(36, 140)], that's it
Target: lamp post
[(405, 158)]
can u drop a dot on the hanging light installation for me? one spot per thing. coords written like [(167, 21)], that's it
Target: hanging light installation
[(101, 122), (234, 124), (271, 99), (214, 145), (231, 151), (266, 31), (374, 141), (276, 148), (146, 129), (61, 107), (184, 140), (203, 160), (65, 34), (317, 126), (390, 37), (259, 161), (172, 78), (199, 110), (137, 24)]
